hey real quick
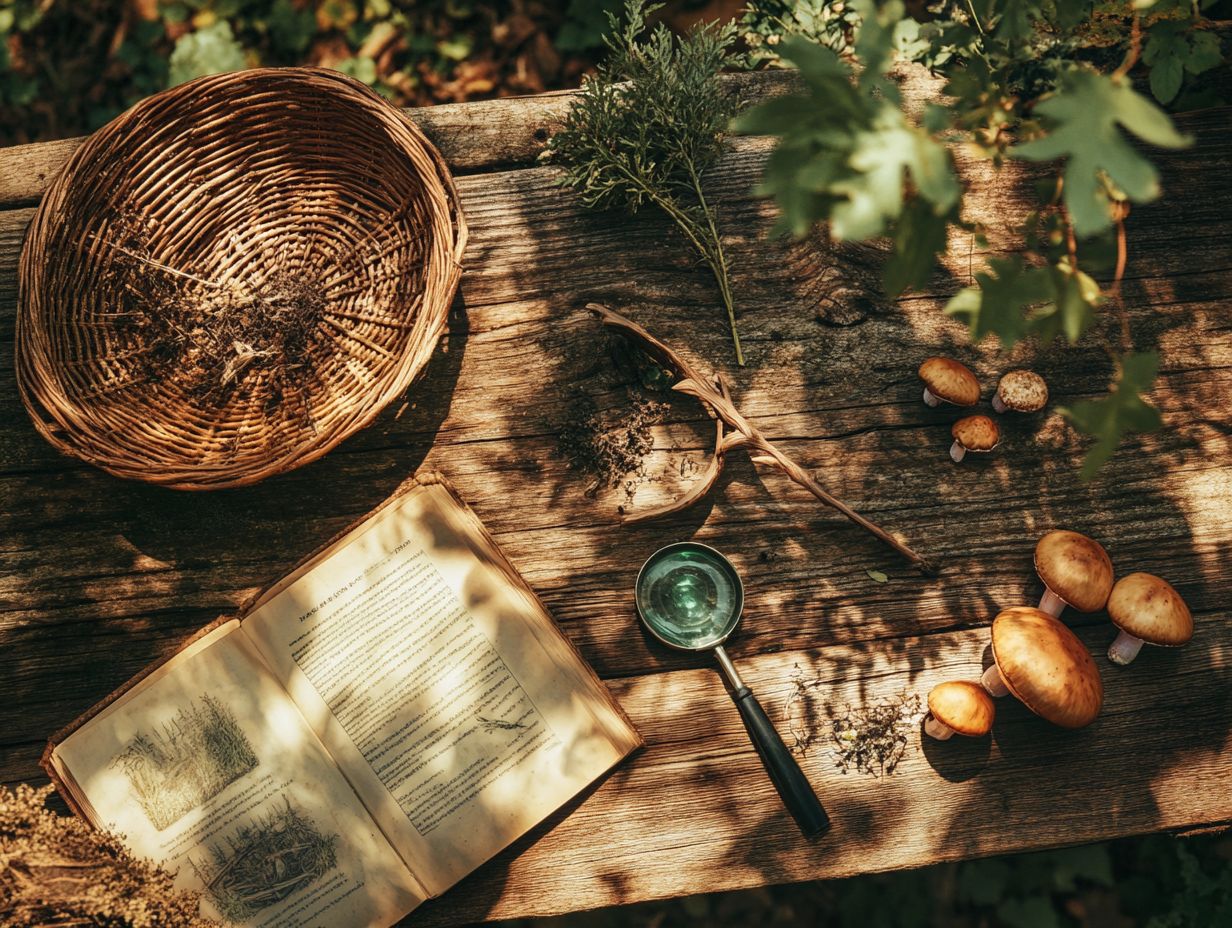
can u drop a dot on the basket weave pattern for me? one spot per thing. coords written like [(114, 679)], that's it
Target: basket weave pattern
[(225, 187)]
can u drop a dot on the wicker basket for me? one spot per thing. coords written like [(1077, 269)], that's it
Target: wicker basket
[(158, 273)]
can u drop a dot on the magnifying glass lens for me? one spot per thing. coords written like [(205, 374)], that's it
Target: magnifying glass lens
[(690, 599), (685, 596)]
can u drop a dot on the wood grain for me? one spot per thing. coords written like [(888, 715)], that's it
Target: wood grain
[(484, 135), (100, 576), (644, 834)]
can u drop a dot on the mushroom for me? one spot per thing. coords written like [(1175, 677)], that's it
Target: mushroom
[(1148, 610), (949, 381), (1076, 572), (1045, 666), (958, 706), (973, 433), (1020, 391)]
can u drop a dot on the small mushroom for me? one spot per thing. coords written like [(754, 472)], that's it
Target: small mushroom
[(949, 381), (973, 433), (1147, 610), (1020, 391), (1076, 572), (1045, 666), (959, 706)]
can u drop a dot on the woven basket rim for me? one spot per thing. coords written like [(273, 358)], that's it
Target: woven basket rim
[(62, 423)]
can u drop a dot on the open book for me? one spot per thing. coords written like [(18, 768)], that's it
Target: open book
[(371, 729)]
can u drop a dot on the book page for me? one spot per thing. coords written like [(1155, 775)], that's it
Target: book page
[(207, 767), (443, 690)]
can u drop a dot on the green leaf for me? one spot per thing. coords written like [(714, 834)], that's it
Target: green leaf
[(1122, 411), (877, 575), (1205, 52), (1166, 52), (882, 158), (456, 48), (1015, 22), (290, 29), (874, 41), (1087, 115), (999, 304), (1166, 77), (1072, 308), (362, 68), (211, 50), (919, 236)]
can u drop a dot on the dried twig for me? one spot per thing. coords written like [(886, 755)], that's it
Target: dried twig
[(715, 396)]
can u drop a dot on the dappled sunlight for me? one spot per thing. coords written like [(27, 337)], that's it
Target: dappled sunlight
[(831, 379)]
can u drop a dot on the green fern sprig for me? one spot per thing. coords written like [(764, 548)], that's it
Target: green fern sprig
[(648, 125)]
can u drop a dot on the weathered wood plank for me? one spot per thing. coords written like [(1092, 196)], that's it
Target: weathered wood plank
[(477, 136), (100, 576), (831, 389), (696, 810)]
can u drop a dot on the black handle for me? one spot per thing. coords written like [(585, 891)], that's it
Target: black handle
[(784, 772)]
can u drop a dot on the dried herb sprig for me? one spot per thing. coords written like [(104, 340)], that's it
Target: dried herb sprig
[(649, 124)]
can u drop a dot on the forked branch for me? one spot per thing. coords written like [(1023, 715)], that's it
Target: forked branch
[(733, 430)]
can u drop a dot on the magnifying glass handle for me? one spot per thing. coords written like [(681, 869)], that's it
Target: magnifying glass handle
[(794, 788)]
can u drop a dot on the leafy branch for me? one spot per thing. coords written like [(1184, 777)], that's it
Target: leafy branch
[(648, 125), (1023, 84)]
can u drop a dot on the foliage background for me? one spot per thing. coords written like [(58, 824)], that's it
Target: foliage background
[(68, 66)]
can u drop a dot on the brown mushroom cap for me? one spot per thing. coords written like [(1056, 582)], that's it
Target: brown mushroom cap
[(963, 706), (951, 381), (976, 433), (1147, 607), (1046, 667), (1023, 391), (1076, 568)]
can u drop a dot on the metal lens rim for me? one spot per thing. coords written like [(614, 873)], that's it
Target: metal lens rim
[(727, 566)]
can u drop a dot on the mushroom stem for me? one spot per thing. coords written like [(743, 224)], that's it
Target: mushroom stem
[(994, 682), (937, 729), (930, 399), (957, 452), (1124, 649), (997, 404), (1051, 603)]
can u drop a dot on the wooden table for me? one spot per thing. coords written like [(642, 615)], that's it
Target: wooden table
[(102, 576)]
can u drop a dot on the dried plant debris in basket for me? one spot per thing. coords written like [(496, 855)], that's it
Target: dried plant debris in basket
[(213, 337)]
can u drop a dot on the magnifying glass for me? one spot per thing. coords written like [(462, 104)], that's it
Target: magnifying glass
[(690, 597)]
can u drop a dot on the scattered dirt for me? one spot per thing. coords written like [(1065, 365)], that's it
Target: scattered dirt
[(609, 445)]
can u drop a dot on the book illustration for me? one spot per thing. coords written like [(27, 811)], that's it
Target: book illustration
[(490, 725), (186, 761), (266, 861)]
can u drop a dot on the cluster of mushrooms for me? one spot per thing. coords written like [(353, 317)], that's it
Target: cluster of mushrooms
[(950, 381), (1044, 664)]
